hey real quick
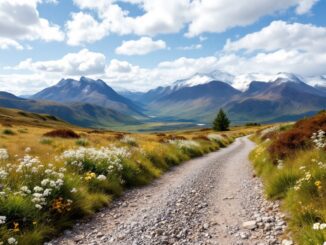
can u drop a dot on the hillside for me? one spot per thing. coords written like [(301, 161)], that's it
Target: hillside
[(80, 114), (9, 117)]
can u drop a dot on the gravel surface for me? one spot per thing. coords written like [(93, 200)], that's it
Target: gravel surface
[(214, 199)]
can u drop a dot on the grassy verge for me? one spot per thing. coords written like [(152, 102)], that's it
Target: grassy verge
[(48, 180), (293, 168)]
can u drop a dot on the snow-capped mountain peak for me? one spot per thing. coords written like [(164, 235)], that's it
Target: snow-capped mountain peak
[(243, 81), (203, 78), (282, 77), (319, 81)]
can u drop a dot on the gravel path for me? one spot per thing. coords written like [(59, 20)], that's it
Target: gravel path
[(209, 200)]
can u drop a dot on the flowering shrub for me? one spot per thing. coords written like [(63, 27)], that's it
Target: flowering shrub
[(41, 182), (185, 144), (103, 161), (31, 187), (319, 139)]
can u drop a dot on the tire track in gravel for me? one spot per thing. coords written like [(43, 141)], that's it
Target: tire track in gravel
[(203, 201)]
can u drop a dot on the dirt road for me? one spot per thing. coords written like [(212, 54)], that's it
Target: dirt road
[(208, 200)]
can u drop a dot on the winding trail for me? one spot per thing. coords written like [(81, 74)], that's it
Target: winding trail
[(203, 201)]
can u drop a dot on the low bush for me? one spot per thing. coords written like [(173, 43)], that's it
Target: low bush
[(8, 132), (62, 133), (297, 137)]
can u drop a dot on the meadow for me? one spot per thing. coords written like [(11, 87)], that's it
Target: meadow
[(51, 177), (291, 159)]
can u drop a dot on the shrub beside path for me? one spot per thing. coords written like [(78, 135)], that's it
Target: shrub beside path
[(214, 199)]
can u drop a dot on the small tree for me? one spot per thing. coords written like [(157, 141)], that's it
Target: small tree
[(221, 122)]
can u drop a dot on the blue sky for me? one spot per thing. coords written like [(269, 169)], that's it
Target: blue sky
[(141, 44)]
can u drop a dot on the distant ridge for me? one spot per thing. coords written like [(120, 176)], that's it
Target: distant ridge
[(80, 114), (87, 90)]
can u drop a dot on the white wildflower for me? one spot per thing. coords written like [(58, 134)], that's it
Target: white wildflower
[(319, 139), (38, 189), (44, 182), (101, 177), (47, 192), (38, 206), (4, 154), (280, 164), (25, 190), (12, 240), (316, 226), (2, 220), (3, 174)]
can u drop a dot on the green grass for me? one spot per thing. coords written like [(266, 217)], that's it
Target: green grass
[(46, 141), (296, 184), (82, 142)]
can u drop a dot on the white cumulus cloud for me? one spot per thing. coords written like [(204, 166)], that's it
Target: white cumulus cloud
[(20, 20), (163, 17), (141, 46), (84, 62), (191, 47), (83, 28), (282, 35), (6, 43)]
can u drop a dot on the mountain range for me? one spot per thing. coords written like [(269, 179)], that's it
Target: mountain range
[(258, 98), (279, 97)]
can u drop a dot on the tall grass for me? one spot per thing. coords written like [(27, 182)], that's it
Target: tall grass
[(293, 168)]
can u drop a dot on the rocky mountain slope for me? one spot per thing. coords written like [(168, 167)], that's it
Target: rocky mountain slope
[(90, 91)]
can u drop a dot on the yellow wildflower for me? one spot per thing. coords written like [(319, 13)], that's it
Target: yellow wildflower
[(16, 227), (89, 176), (318, 184)]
